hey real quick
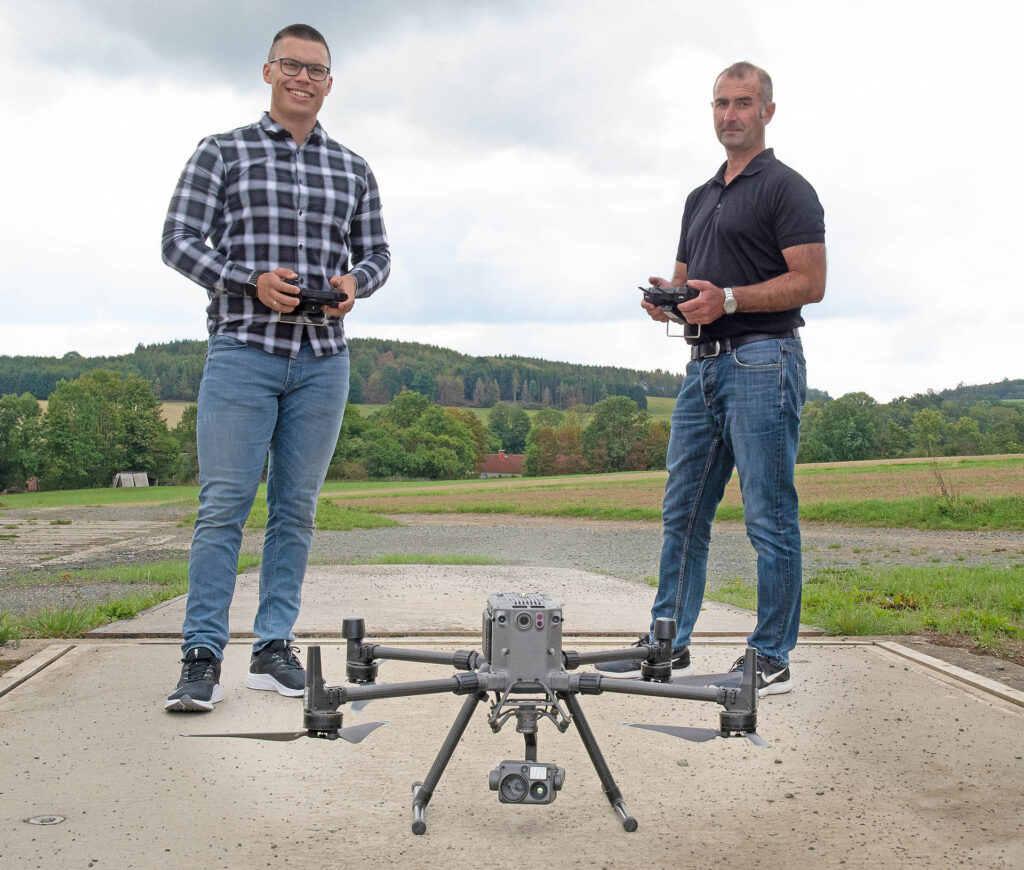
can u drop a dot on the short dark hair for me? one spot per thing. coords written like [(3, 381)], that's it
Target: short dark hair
[(299, 31), (742, 69)]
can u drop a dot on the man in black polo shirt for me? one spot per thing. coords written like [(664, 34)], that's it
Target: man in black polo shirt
[(753, 245)]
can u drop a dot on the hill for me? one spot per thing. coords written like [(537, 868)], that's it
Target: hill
[(380, 370)]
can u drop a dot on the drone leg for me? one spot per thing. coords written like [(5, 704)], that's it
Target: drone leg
[(605, 775), (422, 792)]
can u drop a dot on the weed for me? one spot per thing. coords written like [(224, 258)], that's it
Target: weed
[(8, 628)]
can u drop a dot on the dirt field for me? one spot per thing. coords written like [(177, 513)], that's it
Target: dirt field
[(990, 476)]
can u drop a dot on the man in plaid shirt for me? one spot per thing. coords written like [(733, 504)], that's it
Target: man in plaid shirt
[(258, 214)]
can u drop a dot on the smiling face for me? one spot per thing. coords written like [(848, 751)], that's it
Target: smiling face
[(295, 100), (739, 113)]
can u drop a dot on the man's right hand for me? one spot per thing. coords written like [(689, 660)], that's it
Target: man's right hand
[(274, 291), (653, 311)]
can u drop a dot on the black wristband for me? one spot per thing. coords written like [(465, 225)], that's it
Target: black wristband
[(250, 285)]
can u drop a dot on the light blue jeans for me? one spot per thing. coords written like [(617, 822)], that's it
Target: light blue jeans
[(251, 404), (738, 410)]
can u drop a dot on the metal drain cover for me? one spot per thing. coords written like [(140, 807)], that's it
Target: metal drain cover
[(45, 820)]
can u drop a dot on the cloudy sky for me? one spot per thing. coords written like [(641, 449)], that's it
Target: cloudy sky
[(533, 159)]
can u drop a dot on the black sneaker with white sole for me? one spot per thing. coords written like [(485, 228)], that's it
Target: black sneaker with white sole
[(198, 688), (630, 670), (771, 679), (276, 668)]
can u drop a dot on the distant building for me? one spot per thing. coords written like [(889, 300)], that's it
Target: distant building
[(501, 464)]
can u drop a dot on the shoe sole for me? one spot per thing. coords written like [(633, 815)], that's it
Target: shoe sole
[(776, 688), (269, 684), (636, 675), (188, 704)]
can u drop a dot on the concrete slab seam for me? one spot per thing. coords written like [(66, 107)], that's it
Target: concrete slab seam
[(984, 684), (30, 667)]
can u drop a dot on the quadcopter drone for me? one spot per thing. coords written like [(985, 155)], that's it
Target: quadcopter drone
[(524, 666)]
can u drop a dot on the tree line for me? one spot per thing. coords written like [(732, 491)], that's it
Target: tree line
[(105, 422), (380, 370)]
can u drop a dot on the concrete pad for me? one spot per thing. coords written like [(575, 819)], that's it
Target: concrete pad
[(875, 762), (398, 600)]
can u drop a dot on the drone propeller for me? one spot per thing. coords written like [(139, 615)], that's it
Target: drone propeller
[(353, 734), (700, 735)]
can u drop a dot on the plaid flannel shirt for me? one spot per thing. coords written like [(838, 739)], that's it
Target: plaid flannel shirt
[(263, 202)]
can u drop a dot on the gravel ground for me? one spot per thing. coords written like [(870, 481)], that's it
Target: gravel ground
[(97, 537)]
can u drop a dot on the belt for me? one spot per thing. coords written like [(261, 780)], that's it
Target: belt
[(709, 349)]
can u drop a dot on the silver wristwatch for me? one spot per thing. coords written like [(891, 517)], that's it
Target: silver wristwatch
[(730, 302)]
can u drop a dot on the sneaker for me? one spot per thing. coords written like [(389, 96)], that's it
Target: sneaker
[(199, 686), (771, 679), (276, 668), (631, 669)]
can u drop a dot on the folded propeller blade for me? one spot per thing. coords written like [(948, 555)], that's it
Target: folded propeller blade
[(699, 735), (353, 734)]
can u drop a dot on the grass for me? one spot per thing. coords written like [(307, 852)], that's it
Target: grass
[(170, 579), (329, 517), (971, 513), (982, 603)]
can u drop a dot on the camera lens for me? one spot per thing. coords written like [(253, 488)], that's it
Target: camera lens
[(513, 787), (524, 621), (539, 791)]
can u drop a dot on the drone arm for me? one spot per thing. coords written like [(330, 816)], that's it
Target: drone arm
[(573, 659), (459, 684), (595, 684), (461, 660)]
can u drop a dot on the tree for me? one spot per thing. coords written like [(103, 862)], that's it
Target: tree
[(612, 441), (102, 423), (510, 425), (847, 426), (184, 435), (20, 439), (928, 432)]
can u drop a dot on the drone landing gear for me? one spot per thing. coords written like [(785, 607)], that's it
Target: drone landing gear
[(600, 765), (422, 792)]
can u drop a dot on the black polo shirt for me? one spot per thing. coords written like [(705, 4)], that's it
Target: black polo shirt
[(734, 235)]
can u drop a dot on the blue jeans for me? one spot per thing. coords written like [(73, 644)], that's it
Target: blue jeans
[(252, 403), (742, 410)]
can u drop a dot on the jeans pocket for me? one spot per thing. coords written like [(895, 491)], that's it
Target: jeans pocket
[(221, 343), (759, 355)]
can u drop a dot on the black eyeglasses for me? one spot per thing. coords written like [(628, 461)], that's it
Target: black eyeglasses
[(291, 67)]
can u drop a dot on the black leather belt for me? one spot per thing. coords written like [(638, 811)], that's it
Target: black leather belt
[(708, 349)]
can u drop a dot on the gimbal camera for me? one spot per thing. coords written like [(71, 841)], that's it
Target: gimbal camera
[(525, 669)]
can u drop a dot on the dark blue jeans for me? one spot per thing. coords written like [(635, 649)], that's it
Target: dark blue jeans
[(738, 410), (251, 404)]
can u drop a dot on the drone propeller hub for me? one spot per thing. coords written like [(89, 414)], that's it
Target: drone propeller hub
[(732, 720), (321, 721)]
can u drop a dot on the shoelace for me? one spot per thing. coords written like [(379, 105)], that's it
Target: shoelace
[(198, 668), (288, 655)]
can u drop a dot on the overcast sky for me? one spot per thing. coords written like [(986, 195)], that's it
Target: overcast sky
[(533, 159)]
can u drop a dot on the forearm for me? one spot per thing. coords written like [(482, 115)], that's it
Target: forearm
[(371, 257), (803, 284)]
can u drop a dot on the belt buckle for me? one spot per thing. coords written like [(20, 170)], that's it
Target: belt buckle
[(718, 350)]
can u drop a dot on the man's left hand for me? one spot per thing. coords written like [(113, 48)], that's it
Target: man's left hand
[(347, 285), (707, 307)]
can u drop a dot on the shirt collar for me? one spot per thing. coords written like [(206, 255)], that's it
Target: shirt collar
[(752, 168), (276, 131)]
